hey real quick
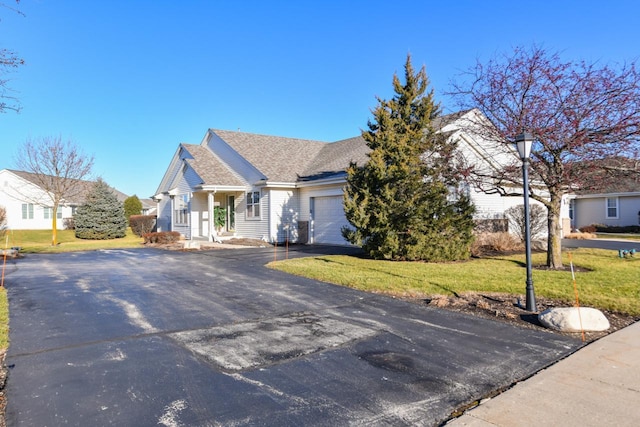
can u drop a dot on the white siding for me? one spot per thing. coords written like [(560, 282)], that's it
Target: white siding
[(14, 192), (593, 211), (251, 227), (283, 208)]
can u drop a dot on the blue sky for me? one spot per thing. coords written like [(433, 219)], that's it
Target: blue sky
[(129, 80)]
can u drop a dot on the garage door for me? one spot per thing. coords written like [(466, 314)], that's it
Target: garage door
[(328, 219)]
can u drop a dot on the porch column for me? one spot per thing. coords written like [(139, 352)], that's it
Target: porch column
[(211, 226)]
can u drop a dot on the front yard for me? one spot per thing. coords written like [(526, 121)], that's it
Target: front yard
[(603, 280)]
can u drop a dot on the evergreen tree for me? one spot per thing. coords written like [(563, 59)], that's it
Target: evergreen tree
[(400, 202), (101, 216), (132, 206)]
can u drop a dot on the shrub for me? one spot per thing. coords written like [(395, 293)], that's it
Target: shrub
[(588, 229), (101, 216), (491, 225), (537, 220), (69, 223), (162, 237), (580, 236), (142, 224), (132, 206), (617, 229), (495, 242)]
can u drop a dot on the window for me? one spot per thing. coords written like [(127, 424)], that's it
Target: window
[(181, 209), (27, 211), (253, 204), (612, 207), (48, 213)]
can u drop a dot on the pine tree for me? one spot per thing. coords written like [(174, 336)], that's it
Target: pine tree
[(101, 216), (399, 202), (132, 206)]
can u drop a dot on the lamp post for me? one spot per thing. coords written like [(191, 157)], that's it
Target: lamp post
[(523, 143)]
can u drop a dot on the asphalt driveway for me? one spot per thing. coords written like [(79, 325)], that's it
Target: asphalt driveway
[(148, 337)]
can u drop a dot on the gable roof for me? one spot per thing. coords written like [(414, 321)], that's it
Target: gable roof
[(336, 157), (279, 159), (210, 168), (84, 187)]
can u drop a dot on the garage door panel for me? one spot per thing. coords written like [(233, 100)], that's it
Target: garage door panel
[(328, 220)]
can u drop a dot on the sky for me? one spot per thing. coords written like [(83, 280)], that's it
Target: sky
[(127, 81)]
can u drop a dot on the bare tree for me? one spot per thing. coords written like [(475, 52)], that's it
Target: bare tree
[(9, 60), (579, 113), (517, 221), (58, 168)]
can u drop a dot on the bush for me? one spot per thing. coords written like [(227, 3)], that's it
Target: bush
[(162, 237), (617, 229), (588, 229), (69, 223), (491, 225), (132, 206), (517, 221), (495, 242), (101, 216), (142, 224)]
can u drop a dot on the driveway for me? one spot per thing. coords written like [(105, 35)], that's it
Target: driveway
[(148, 337), (613, 244)]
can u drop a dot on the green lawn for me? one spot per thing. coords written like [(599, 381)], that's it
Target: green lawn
[(39, 241), (612, 283)]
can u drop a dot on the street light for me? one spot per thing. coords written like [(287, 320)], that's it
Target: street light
[(523, 143)]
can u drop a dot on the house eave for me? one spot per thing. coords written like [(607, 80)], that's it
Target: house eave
[(221, 188), (319, 182), (603, 195)]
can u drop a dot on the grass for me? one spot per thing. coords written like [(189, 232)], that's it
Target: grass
[(39, 241), (610, 284)]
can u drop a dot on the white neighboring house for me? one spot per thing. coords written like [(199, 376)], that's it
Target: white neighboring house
[(29, 207), (618, 209), (276, 188)]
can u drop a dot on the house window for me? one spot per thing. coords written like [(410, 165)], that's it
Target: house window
[(253, 204), (27, 211), (181, 209), (48, 213), (612, 207)]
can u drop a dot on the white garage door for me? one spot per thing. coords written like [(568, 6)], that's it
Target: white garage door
[(328, 219)]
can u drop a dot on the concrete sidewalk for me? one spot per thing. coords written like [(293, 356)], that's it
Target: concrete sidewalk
[(599, 385)]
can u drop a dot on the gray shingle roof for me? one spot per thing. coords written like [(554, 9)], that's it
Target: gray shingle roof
[(282, 159), (210, 168), (278, 159), (335, 158), (79, 195)]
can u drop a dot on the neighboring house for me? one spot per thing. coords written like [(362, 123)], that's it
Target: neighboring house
[(613, 209), (149, 207), (275, 188), (30, 208)]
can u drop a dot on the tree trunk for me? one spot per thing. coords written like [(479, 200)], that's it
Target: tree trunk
[(554, 241)]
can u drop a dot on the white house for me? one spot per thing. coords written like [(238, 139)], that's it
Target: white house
[(28, 206), (619, 209), (276, 188)]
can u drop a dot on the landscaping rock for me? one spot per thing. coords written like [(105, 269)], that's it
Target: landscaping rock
[(574, 319)]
